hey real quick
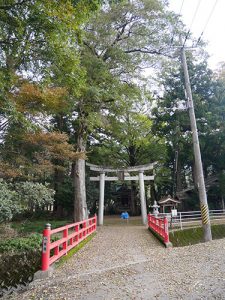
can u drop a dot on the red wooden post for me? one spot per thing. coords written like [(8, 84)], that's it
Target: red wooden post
[(88, 227), (46, 248), (77, 231), (95, 221), (166, 238), (56, 250), (84, 227), (65, 235)]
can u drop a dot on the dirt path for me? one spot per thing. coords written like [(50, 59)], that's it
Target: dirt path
[(127, 262)]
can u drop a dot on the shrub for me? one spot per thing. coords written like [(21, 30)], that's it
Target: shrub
[(17, 269), (22, 196), (34, 194), (8, 202), (32, 242)]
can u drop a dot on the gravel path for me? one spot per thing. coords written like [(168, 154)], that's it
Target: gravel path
[(127, 262)]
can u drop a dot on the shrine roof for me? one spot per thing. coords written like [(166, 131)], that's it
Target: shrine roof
[(168, 199)]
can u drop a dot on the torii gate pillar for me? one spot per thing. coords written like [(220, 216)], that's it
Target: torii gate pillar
[(101, 199), (142, 198)]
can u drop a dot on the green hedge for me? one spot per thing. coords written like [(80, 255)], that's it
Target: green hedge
[(21, 244), (17, 270)]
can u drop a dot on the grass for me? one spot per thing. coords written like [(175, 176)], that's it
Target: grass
[(37, 226), (75, 250), (193, 236)]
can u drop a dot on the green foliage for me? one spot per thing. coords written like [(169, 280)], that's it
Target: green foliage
[(37, 226), (38, 39), (171, 121), (19, 197), (86, 59), (65, 194), (222, 183), (33, 194), (18, 269), (32, 242), (9, 205), (186, 237)]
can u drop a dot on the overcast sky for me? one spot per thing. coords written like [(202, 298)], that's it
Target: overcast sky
[(215, 30)]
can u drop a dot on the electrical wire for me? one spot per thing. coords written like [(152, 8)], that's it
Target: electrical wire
[(196, 10), (192, 21), (207, 22), (182, 4)]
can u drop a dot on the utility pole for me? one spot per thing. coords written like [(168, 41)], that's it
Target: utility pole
[(197, 153)]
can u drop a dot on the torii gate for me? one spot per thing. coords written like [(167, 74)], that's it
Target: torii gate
[(120, 176)]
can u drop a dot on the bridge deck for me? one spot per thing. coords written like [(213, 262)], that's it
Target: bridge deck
[(126, 262)]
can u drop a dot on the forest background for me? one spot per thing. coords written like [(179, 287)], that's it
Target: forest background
[(102, 81)]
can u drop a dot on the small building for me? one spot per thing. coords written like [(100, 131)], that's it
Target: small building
[(167, 204)]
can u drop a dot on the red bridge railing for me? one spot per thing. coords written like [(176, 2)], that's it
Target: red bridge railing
[(160, 226), (71, 236)]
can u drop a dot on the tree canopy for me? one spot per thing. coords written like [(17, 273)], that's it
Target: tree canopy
[(100, 80)]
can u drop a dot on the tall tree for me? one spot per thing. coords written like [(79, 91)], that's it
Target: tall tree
[(111, 56), (37, 40), (127, 138)]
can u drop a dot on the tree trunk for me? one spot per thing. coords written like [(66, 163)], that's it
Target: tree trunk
[(80, 203)]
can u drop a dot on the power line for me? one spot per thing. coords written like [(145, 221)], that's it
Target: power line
[(182, 4), (196, 10), (192, 21), (207, 21)]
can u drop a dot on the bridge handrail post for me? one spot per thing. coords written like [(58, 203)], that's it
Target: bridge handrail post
[(45, 257), (95, 222), (84, 225), (166, 230), (65, 235)]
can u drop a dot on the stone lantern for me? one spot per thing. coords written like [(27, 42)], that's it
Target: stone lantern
[(155, 207)]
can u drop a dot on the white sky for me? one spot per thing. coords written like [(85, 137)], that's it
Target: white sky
[(215, 30)]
